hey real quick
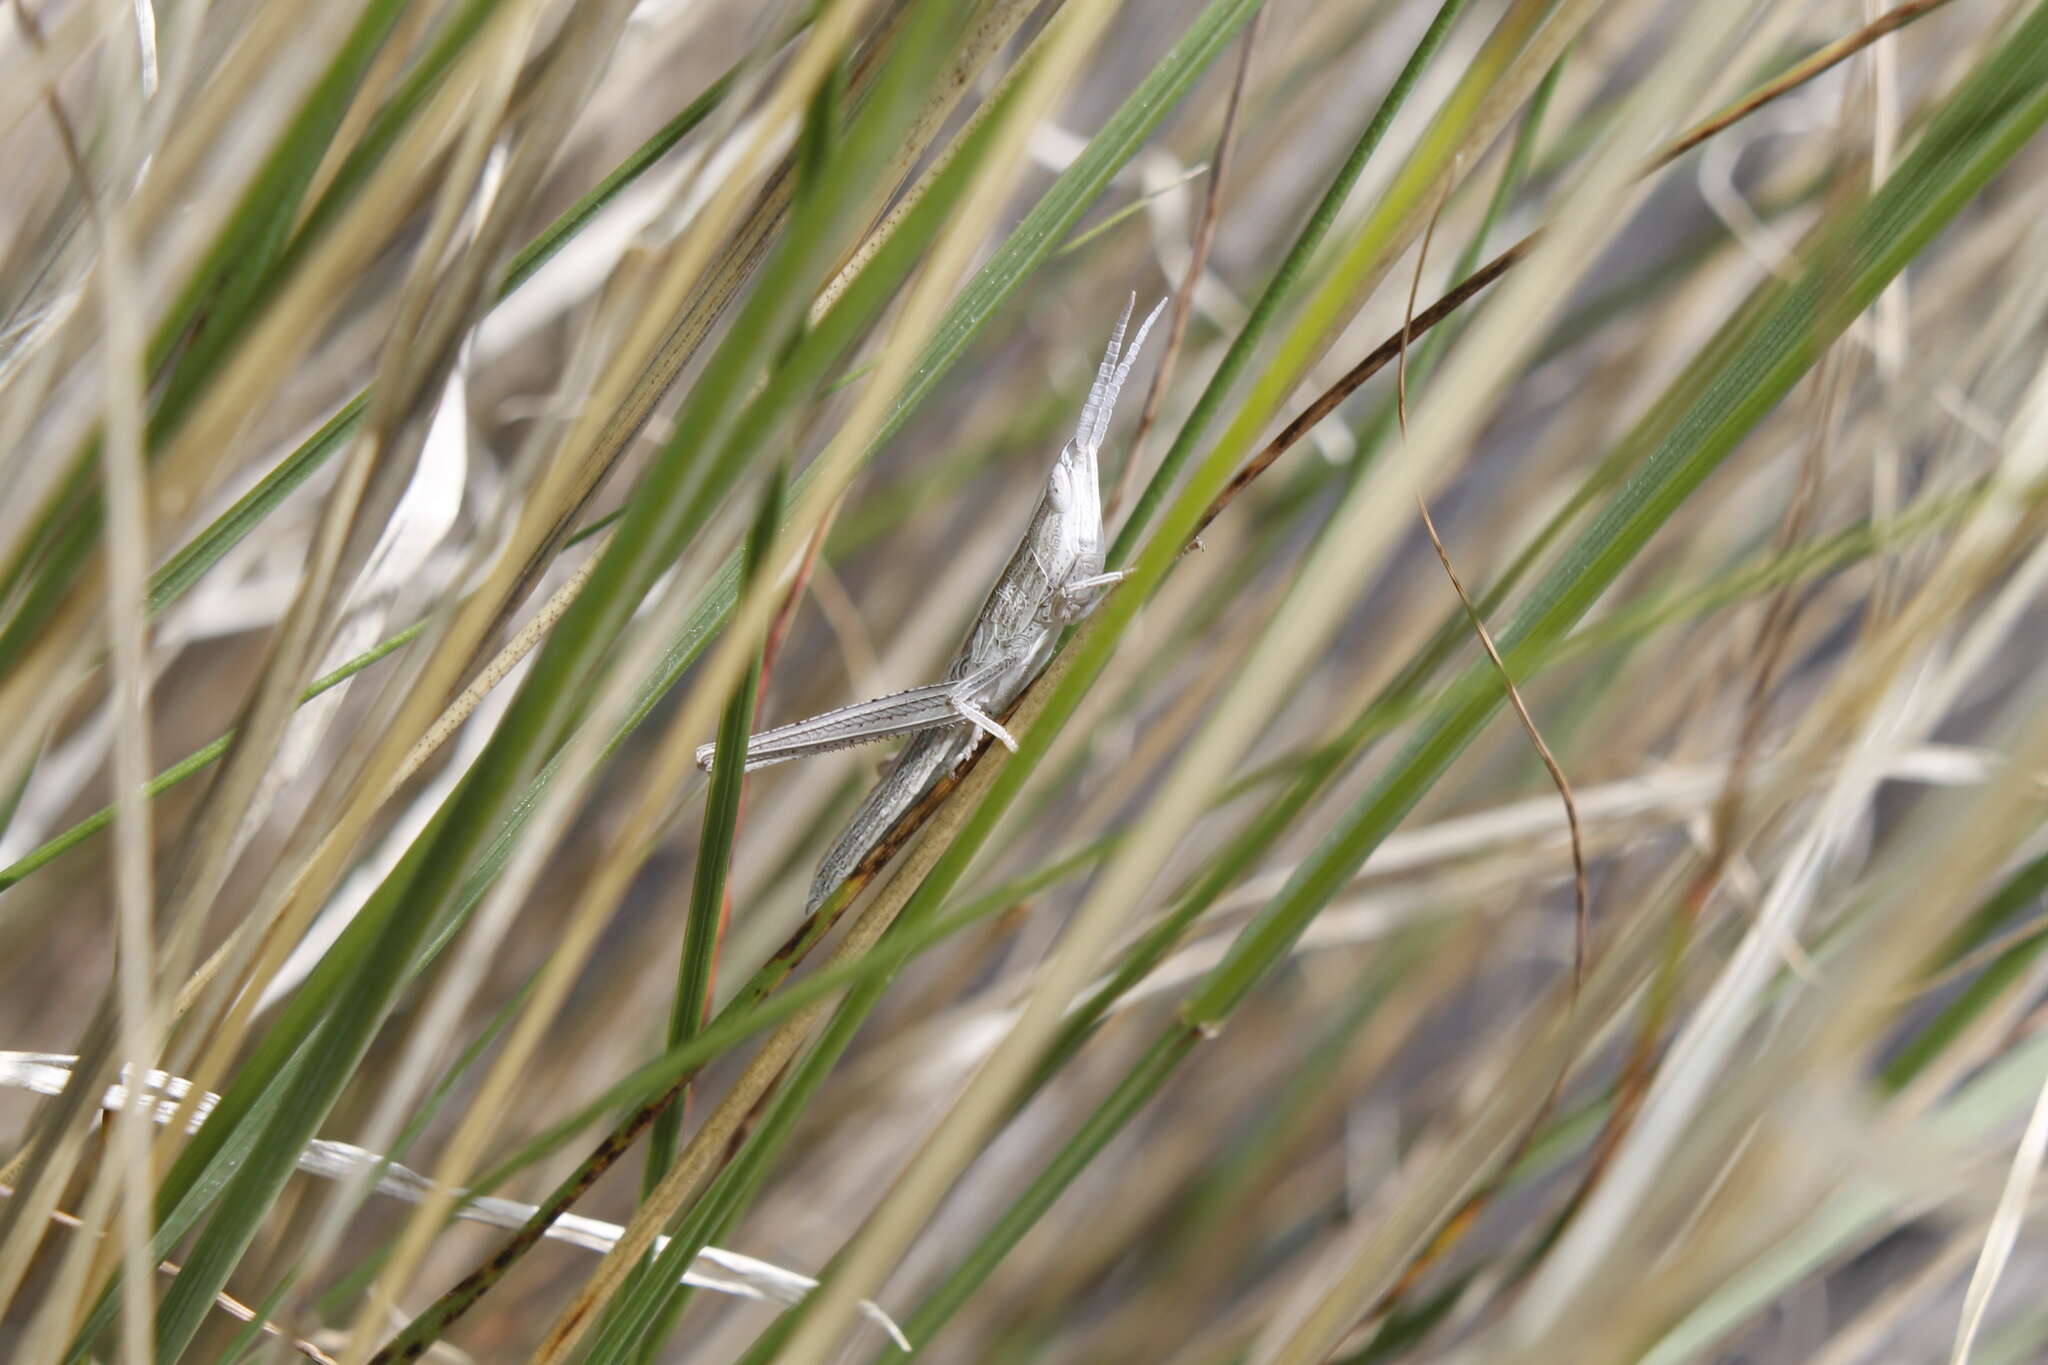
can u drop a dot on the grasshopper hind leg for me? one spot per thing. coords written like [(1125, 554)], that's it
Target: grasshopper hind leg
[(921, 708)]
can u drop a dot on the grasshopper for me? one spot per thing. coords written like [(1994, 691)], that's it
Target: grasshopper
[(1054, 578)]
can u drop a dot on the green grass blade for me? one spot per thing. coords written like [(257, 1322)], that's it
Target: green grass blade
[(714, 849), (1038, 236), (196, 761)]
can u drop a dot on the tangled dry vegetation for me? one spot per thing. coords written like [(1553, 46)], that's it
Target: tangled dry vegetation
[(1612, 932)]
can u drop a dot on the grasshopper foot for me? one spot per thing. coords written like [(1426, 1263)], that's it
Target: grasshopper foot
[(1074, 599), (982, 720)]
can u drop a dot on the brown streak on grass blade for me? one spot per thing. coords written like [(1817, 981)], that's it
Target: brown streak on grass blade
[(1580, 910), (1472, 285), (228, 1303), (1198, 262), (1835, 53), (1460, 1223)]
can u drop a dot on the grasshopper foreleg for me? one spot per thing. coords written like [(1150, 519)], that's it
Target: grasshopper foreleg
[(1075, 598)]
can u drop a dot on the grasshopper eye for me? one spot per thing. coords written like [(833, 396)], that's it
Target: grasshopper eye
[(1059, 488)]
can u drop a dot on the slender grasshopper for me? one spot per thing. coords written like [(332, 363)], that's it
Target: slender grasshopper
[(1054, 578)]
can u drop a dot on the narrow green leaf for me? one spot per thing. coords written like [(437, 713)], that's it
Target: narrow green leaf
[(714, 848), (2019, 894), (196, 761), (384, 129), (1035, 239)]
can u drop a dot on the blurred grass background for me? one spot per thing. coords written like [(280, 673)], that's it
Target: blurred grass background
[(541, 382)]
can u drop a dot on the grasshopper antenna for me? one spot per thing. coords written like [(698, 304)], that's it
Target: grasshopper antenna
[(1109, 380)]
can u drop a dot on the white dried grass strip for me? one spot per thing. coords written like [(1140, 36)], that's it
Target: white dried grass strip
[(1671, 792), (2004, 1230), (715, 1269)]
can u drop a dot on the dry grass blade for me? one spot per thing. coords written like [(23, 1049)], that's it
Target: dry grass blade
[(1581, 910), (228, 1303), (1456, 1227), (1832, 55), (125, 480), (2004, 1230)]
